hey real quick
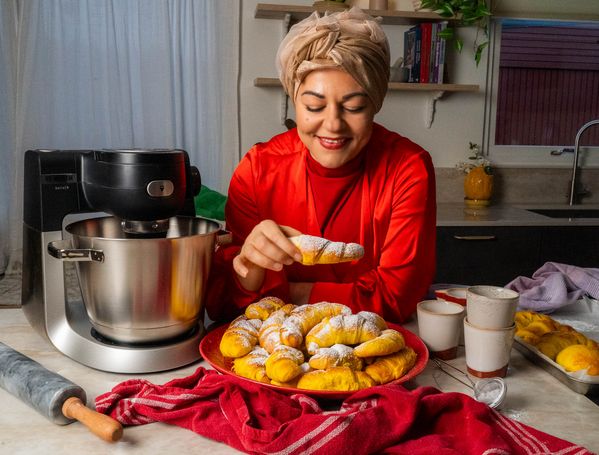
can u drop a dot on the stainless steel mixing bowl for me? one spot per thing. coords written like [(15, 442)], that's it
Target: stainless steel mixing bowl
[(140, 290)]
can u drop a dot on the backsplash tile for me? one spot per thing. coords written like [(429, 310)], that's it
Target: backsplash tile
[(521, 185)]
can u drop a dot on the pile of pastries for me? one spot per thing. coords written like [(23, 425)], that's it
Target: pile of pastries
[(321, 346), (560, 342)]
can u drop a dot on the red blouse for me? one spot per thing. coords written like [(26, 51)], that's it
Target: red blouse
[(384, 200)]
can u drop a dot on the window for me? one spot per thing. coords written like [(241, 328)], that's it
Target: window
[(545, 86)]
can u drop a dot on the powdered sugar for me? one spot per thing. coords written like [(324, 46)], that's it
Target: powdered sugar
[(250, 325), (341, 329), (374, 318), (263, 308), (257, 356), (317, 250)]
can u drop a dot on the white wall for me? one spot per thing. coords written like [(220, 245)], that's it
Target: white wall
[(458, 118)]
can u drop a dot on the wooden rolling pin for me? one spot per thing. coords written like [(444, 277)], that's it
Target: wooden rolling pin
[(52, 395)]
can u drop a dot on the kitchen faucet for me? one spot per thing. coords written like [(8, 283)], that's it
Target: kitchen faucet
[(575, 166)]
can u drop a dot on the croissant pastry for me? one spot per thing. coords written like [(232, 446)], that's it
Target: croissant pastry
[(392, 367), (304, 367), (284, 364), (251, 366), (343, 329), (338, 355), (304, 317), (240, 337), (269, 336), (524, 318), (579, 357), (316, 250), (552, 343), (336, 378), (388, 342), (375, 319), (263, 308)]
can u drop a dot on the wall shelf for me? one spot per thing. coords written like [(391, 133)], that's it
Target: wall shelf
[(290, 14), (404, 86), (299, 12)]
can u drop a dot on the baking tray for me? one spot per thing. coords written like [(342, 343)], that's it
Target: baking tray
[(583, 315), (588, 388)]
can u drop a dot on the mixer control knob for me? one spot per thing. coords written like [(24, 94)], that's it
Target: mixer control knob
[(160, 188)]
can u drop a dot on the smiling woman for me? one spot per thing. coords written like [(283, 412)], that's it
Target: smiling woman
[(338, 175), (334, 116)]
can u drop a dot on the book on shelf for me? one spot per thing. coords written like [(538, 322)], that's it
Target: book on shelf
[(409, 58), (441, 53), (424, 52)]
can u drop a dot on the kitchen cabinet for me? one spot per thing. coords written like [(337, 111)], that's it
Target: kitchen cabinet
[(293, 13), (498, 254)]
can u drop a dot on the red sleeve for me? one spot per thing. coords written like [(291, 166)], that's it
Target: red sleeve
[(226, 297), (406, 265)]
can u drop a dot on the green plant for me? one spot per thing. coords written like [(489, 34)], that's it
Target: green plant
[(468, 13), (477, 159)]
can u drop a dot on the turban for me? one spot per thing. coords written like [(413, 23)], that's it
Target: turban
[(350, 40)]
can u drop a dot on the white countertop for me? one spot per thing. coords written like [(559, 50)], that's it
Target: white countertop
[(458, 214), (534, 397)]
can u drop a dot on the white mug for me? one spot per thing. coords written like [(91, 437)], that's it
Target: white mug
[(491, 307), (440, 326), (487, 350)]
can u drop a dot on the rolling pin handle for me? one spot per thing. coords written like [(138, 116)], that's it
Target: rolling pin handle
[(101, 425)]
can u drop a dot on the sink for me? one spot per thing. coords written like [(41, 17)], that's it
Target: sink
[(574, 212)]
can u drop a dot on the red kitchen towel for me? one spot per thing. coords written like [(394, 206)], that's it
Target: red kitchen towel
[(389, 419)]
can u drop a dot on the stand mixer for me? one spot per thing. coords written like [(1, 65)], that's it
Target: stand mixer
[(142, 272)]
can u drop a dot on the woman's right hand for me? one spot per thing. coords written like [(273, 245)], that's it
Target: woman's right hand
[(266, 247)]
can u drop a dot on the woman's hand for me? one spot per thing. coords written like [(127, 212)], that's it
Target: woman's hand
[(266, 247)]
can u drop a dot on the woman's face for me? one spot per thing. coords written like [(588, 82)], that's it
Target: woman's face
[(334, 116)]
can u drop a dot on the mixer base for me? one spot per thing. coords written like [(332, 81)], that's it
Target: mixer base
[(75, 340)]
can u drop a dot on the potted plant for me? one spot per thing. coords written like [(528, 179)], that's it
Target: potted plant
[(468, 13), (478, 183)]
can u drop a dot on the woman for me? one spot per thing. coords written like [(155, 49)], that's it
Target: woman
[(337, 175)]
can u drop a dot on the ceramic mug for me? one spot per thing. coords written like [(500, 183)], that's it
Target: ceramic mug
[(487, 350), (491, 307), (440, 326), (457, 295)]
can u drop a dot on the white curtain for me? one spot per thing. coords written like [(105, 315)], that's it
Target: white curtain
[(116, 74)]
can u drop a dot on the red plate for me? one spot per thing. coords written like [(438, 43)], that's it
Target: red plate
[(210, 350)]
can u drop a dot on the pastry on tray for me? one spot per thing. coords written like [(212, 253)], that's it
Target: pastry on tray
[(321, 347), (561, 343)]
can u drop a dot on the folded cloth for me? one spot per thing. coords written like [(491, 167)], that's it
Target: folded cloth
[(258, 420), (555, 285)]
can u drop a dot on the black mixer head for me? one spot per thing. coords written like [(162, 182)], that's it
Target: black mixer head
[(142, 187)]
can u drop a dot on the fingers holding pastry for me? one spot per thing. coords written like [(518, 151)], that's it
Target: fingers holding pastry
[(267, 247)]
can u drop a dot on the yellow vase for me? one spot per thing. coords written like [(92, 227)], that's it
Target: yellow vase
[(478, 186)]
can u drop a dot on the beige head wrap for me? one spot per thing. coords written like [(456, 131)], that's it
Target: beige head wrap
[(350, 40)]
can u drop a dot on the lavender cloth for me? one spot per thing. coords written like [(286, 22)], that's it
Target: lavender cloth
[(555, 285)]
